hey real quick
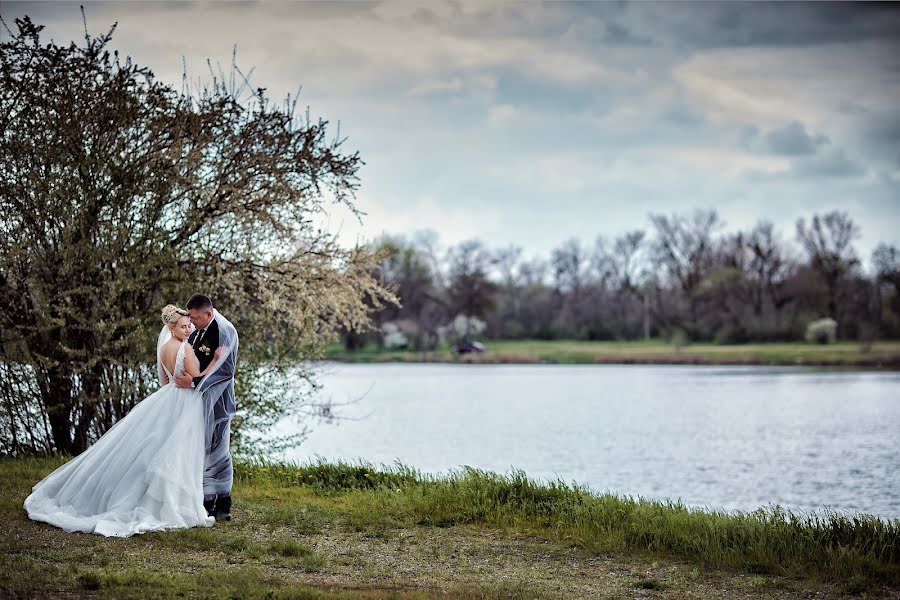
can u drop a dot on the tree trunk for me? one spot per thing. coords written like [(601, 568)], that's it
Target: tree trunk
[(59, 406), (90, 397), (646, 316)]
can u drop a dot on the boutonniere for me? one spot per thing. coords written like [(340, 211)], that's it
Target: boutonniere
[(204, 349)]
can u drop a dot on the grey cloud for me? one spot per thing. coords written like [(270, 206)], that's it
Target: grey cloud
[(493, 20), (747, 136), (882, 133), (604, 24), (614, 120), (617, 34), (793, 139), (40, 12), (832, 163), (531, 91), (725, 24), (684, 115), (99, 15), (681, 24)]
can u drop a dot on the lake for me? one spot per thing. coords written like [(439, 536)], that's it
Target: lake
[(711, 436)]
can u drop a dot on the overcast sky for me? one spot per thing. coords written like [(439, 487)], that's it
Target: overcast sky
[(529, 124)]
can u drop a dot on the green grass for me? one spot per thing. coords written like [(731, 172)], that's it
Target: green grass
[(343, 530), (650, 584), (768, 540), (881, 354)]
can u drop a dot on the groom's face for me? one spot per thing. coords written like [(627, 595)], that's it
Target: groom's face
[(200, 318)]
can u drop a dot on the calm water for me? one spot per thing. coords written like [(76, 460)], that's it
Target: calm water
[(720, 437)]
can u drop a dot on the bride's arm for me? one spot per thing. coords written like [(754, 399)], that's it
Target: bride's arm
[(192, 367)]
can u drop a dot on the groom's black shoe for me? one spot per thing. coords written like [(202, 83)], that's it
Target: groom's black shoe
[(210, 506), (223, 508)]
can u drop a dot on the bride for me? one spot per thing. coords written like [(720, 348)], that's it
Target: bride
[(146, 472)]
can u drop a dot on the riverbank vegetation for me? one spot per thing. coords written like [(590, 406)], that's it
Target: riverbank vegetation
[(685, 278), (885, 355), (341, 530)]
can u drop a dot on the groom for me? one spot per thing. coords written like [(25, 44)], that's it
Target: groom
[(211, 330)]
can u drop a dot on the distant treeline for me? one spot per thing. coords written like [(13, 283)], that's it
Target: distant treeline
[(684, 279)]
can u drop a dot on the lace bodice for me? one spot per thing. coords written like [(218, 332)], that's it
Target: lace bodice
[(179, 362)]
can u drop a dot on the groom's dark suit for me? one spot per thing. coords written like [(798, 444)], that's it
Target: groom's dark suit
[(204, 342)]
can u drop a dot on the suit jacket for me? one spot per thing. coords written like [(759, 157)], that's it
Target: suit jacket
[(205, 348)]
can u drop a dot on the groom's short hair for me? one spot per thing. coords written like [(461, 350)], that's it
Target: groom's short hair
[(199, 302)]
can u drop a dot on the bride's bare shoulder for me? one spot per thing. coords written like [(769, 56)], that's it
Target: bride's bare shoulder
[(170, 348)]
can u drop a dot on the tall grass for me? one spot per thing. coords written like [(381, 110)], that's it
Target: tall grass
[(768, 540)]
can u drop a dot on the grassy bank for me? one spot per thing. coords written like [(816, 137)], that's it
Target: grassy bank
[(850, 354), (355, 531)]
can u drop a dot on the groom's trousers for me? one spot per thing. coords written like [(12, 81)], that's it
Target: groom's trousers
[(222, 469)]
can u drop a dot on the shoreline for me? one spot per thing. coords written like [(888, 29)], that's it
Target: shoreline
[(889, 363), (878, 355)]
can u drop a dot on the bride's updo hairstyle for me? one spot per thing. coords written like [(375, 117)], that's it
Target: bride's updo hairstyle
[(171, 314)]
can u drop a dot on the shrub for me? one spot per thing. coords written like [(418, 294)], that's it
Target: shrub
[(679, 338), (393, 337), (822, 331)]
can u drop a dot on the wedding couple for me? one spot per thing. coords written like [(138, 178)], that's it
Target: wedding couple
[(167, 463)]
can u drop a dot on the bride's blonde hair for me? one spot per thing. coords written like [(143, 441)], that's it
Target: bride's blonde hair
[(171, 314)]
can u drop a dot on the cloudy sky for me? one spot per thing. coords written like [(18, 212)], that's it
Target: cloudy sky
[(529, 124)]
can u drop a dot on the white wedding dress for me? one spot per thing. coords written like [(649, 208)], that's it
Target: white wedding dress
[(144, 474)]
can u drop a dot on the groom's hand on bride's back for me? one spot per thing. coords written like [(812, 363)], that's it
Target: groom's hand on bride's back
[(183, 380)]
